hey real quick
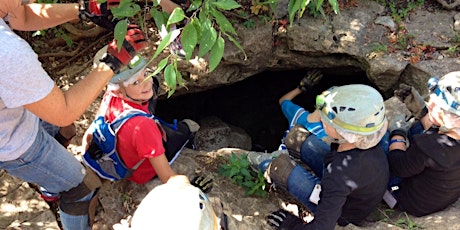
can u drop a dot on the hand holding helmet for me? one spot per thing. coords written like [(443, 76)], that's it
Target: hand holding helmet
[(412, 99), (100, 14), (312, 78), (133, 43)]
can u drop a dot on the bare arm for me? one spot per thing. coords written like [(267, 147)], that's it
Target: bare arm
[(35, 16), (290, 95), (162, 167), (168, 6), (62, 109)]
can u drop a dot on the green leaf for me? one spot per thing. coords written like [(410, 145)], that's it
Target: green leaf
[(194, 5), (207, 41), (217, 52), (237, 44), (222, 21), (166, 41), (294, 6), (335, 6), (245, 173), (198, 28), (158, 17), (170, 79), (176, 16), (161, 65), (303, 6), (120, 32), (126, 9), (189, 40), (226, 4), (178, 74)]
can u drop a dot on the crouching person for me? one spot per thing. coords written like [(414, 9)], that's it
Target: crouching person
[(139, 138), (426, 157), (356, 170)]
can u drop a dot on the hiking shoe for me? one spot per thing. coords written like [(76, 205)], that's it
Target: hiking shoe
[(260, 161), (192, 125)]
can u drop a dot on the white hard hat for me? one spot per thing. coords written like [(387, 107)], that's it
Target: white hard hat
[(445, 92), (354, 108), (176, 205)]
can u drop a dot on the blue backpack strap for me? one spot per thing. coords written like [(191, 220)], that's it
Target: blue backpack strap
[(125, 115), (110, 166)]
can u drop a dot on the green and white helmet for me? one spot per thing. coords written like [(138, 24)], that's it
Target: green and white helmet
[(445, 92), (354, 108), (176, 205)]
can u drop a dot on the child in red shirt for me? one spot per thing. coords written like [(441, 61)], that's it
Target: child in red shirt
[(140, 136)]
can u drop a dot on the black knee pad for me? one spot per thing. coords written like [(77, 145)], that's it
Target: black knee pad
[(69, 200), (279, 170)]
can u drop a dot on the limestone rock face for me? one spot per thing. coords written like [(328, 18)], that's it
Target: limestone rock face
[(348, 40)]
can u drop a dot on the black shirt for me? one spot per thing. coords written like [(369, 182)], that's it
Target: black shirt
[(431, 171), (352, 186)]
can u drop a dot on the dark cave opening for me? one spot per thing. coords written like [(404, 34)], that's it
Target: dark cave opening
[(252, 104)]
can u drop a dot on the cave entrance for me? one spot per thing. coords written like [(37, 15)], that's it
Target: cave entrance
[(252, 104)]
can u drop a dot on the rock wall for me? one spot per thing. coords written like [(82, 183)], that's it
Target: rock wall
[(343, 41)]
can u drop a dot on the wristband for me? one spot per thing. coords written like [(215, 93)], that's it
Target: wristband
[(399, 132), (398, 141)]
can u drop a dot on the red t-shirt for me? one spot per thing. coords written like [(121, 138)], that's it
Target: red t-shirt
[(138, 138)]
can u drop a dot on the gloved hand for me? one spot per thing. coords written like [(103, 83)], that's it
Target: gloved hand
[(399, 122), (312, 78), (282, 220), (100, 14), (202, 182), (412, 99), (133, 43), (398, 125)]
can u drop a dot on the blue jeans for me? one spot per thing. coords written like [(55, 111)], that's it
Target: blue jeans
[(300, 185), (49, 165), (312, 153)]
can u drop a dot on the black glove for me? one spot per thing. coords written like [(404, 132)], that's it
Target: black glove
[(100, 14), (283, 220), (133, 43), (312, 78), (412, 99), (202, 182)]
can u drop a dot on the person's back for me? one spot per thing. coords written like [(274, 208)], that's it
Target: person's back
[(438, 184), (430, 166), (355, 171), (361, 176)]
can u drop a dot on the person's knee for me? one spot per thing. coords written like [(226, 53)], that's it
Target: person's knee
[(279, 170), (71, 201)]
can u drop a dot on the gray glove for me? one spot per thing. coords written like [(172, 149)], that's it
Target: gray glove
[(412, 99), (312, 78), (399, 122)]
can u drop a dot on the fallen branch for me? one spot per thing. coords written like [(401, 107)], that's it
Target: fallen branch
[(79, 53)]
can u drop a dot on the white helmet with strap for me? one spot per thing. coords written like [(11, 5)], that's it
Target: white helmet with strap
[(445, 92), (354, 108), (175, 205), (357, 113)]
